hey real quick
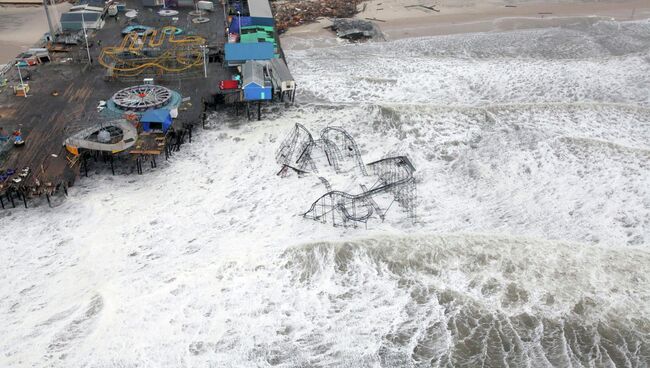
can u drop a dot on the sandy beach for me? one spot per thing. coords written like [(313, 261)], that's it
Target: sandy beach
[(22, 26), (399, 19)]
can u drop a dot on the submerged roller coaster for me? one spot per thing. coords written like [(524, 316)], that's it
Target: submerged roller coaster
[(154, 53), (394, 176)]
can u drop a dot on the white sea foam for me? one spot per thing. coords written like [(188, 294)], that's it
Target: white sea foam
[(530, 248)]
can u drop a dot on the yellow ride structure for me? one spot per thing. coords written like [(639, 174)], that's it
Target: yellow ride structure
[(156, 52)]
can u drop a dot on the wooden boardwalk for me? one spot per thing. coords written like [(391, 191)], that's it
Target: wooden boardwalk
[(64, 95), (53, 105)]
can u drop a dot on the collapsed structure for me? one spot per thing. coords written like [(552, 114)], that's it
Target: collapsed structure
[(394, 180)]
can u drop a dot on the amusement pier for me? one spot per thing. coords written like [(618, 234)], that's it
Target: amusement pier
[(127, 82)]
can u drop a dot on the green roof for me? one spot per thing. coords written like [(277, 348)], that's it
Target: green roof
[(256, 37), (258, 28)]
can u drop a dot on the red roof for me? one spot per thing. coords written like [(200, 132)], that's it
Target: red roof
[(229, 84)]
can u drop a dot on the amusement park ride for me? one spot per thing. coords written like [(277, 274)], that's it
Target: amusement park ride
[(154, 53), (142, 97), (392, 176)]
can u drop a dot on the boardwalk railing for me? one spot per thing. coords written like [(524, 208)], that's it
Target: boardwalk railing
[(5, 69)]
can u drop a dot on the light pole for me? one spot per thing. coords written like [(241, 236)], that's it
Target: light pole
[(225, 17), (22, 85), (83, 26), (49, 20), (204, 48), (239, 21)]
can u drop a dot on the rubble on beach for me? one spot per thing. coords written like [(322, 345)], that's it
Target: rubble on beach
[(290, 13)]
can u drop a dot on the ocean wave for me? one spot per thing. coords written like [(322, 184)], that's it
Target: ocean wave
[(206, 260), (580, 38), (462, 300)]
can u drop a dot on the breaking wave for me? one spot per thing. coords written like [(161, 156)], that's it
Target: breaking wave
[(535, 140), (461, 301)]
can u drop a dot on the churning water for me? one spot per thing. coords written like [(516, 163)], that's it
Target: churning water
[(530, 249)]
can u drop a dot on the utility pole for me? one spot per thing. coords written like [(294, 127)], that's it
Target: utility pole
[(49, 20), (239, 21), (204, 48), (225, 18)]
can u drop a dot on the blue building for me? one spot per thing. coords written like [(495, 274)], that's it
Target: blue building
[(255, 85), (236, 21), (239, 53), (158, 119)]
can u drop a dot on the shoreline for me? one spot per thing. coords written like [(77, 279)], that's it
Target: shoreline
[(23, 26), (397, 20)]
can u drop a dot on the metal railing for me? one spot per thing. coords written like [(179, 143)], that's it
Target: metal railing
[(5, 69)]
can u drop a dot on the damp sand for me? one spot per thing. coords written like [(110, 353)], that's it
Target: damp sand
[(399, 19), (21, 27)]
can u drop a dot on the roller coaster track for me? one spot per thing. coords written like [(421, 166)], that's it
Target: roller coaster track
[(394, 175), (178, 53), (393, 181), (349, 144), (299, 141), (374, 204), (296, 150)]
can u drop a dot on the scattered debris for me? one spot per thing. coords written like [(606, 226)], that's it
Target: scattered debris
[(423, 6), (295, 13), (67, 39)]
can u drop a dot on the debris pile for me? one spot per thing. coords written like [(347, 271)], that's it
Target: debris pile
[(355, 29), (295, 13)]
